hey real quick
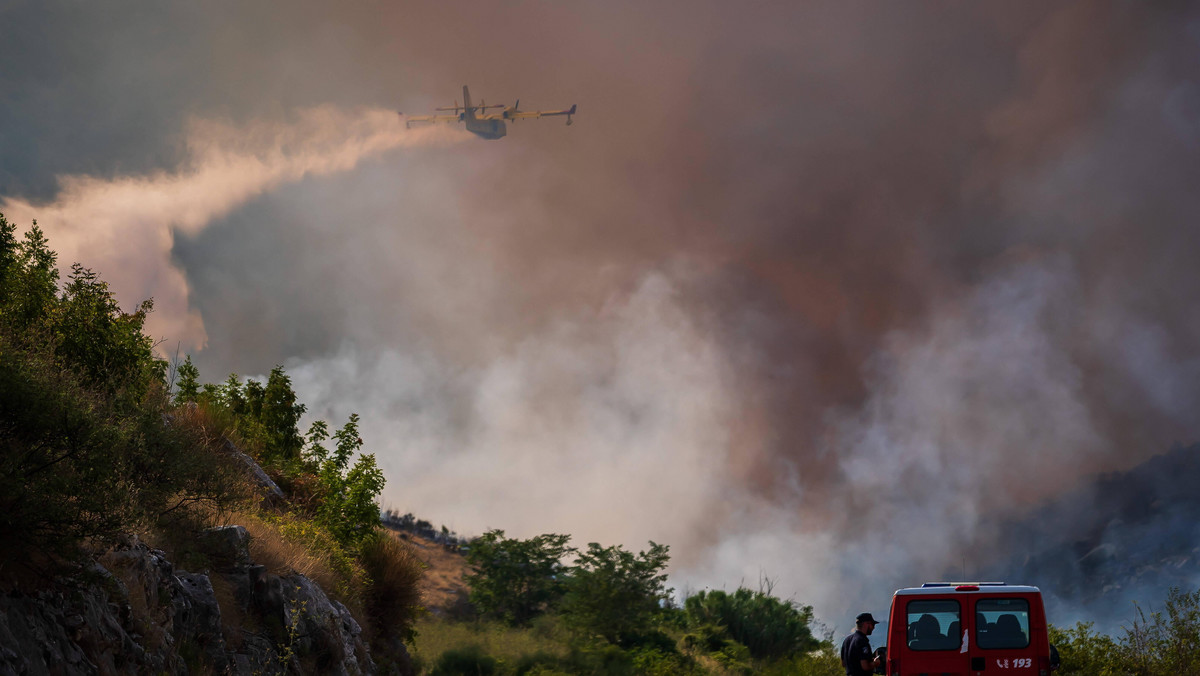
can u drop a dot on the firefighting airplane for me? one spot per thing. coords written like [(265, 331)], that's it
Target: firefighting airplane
[(484, 124)]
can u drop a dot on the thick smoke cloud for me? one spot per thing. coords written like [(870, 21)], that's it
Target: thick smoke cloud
[(127, 225), (820, 292)]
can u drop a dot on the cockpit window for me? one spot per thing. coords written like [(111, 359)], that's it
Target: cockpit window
[(1002, 623), (934, 625)]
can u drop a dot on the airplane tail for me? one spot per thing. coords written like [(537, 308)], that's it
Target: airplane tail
[(467, 109)]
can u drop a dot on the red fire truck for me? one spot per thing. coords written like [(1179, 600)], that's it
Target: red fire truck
[(968, 629)]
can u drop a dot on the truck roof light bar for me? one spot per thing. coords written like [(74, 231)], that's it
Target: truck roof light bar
[(963, 584)]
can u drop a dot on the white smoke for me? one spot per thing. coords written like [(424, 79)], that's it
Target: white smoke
[(980, 412), (618, 426), (125, 227), (612, 425)]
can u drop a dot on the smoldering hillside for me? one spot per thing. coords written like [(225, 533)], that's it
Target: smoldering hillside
[(825, 292), (1099, 548)]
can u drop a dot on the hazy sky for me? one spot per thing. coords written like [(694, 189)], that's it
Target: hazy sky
[(806, 291)]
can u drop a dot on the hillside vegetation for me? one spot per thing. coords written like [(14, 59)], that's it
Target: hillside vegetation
[(95, 445), (541, 606), (100, 439)]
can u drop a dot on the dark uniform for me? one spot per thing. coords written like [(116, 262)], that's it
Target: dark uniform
[(856, 648)]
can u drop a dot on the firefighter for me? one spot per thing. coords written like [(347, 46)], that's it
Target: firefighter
[(857, 658)]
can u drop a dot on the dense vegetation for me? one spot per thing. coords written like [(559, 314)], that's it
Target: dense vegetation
[(609, 611), (95, 443)]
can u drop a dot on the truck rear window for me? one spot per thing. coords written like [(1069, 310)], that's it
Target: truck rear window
[(934, 625), (1002, 623)]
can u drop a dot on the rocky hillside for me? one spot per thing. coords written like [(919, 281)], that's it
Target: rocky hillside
[(135, 613), (101, 438)]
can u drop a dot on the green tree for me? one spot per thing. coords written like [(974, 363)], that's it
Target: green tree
[(231, 395), (187, 388), (318, 432), (8, 257), (349, 506), (28, 277), (280, 416), (254, 399), (615, 594), (769, 627), (516, 580), (105, 345)]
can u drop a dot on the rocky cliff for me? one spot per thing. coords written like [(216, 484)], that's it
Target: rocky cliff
[(133, 612)]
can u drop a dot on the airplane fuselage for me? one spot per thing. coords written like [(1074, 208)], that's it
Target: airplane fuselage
[(488, 129), (480, 122)]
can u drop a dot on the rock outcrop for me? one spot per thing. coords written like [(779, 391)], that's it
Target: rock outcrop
[(134, 613)]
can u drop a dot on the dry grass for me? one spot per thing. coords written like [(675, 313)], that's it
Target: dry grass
[(394, 596), (444, 587), (287, 544), (281, 554), (284, 544), (507, 644)]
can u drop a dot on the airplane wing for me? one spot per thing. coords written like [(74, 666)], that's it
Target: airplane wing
[(528, 114), (431, 119)]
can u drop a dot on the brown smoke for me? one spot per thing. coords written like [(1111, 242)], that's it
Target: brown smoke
[(807, 290)]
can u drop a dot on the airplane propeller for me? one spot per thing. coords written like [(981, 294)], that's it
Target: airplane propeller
[(516, 108)]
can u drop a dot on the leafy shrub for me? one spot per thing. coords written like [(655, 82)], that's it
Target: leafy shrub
[(540, 663), (348, 502), (768, 627), (602, 658), (652, 661), (1083, 651), (470, 660)]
